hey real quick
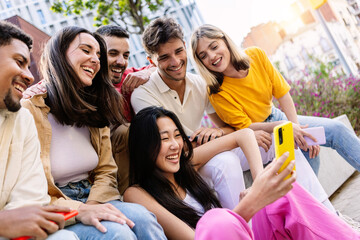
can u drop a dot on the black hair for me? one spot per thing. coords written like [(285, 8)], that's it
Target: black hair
[(113, 31), (144, 147), (9, 31)]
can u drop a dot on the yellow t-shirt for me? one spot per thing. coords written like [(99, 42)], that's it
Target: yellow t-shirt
[(244, 101)]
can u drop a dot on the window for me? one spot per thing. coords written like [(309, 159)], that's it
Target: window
[(41, 16), (8, 3), (64, 24), (51, 29)]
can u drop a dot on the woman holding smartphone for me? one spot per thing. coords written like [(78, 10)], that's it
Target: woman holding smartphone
[(242, 85), (164, 179), (72, 121)]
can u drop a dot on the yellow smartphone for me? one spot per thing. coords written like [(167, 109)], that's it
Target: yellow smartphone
[(284, 142)]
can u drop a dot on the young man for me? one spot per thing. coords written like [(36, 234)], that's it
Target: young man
[(22, 178), (125, 79), (186, 95)]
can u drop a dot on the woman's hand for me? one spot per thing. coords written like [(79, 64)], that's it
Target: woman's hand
[(299, 139), (92, 214), (36, 89), (206, 134), (268, 186)]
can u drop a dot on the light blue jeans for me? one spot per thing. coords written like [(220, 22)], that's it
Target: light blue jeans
[(146, 226), (63, 235), (338, 137)]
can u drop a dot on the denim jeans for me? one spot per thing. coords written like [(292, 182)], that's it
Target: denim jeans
[(146, 225), (338, 137), (63, 235)]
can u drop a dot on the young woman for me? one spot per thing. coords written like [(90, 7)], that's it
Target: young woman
[(164, 178), (72, 121), (242, 86)]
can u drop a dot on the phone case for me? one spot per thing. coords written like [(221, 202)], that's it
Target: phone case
[(287, 144), (316, 132), (67, 215)]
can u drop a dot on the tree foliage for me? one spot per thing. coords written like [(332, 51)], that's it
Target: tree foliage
[(130, 14)]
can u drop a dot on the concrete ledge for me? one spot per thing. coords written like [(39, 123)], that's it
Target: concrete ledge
[(334, 170)]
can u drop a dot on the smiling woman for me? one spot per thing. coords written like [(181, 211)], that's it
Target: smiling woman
[(72, 120), (164, 179)]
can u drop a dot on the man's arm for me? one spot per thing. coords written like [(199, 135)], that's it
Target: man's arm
[(206, 134), (263, 138), (136, 78)]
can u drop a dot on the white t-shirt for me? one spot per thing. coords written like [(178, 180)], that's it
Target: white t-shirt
[(156, 93), (72, 155), (193, 203)]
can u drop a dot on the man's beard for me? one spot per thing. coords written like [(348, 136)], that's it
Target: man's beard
[(116, 80), (10, 103)]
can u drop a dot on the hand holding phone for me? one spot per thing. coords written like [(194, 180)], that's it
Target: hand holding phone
[(67, 215), (284, 142), (316, 132)]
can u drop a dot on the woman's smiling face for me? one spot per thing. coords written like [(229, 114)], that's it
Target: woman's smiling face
[(83, 54), (168, 159), (214, 54)]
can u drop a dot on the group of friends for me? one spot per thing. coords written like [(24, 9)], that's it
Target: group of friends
[(125, 147)]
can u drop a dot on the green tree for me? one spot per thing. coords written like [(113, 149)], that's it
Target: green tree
[(130, 14)]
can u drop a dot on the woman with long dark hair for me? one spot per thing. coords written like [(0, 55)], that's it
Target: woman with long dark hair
[(72, 121), (164, 179)]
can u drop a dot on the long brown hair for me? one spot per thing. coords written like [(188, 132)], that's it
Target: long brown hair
[(98, 105), (238, 58)]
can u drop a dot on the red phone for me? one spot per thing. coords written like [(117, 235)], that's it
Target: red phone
[(67, 215)]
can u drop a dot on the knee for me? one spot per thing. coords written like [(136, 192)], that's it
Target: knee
[(140, 215), (217, 221), (117, 231), (334, 126)]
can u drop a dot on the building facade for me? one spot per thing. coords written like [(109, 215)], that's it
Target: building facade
[(294, 54), (38, 13)]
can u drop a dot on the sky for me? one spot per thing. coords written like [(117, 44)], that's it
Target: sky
[(236, 17)]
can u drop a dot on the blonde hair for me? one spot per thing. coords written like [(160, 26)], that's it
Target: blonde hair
[(237, 57)]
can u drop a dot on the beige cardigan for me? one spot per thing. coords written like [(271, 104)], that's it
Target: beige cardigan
[(22, 178), (103, 177)]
